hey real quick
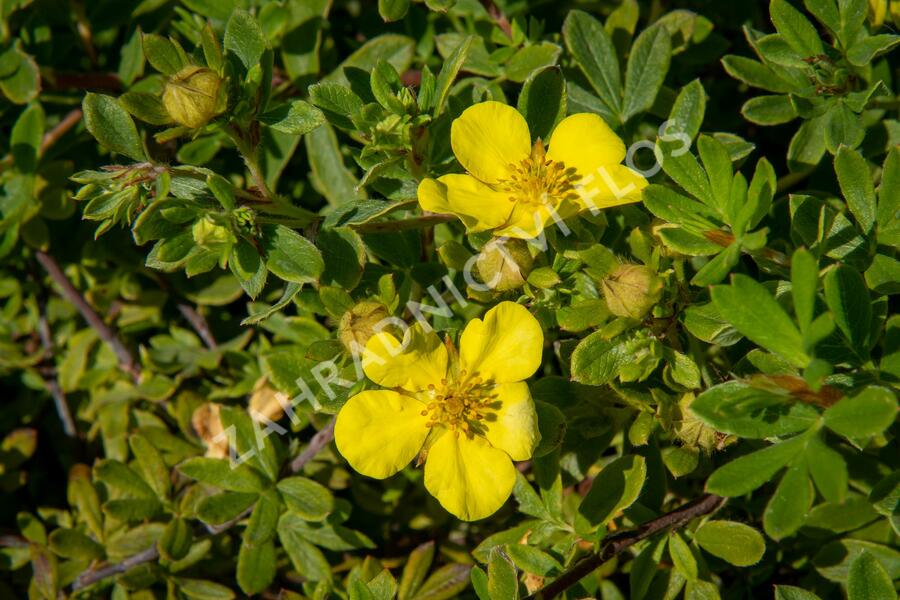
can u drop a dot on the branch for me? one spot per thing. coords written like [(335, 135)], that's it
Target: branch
[(617, 543), (89, 577), (199, 324), (498, 16), (59, 398), (126, 359), (316, 443)]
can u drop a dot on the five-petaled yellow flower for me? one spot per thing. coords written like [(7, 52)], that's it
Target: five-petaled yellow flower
[(468, 414), (514, 187)]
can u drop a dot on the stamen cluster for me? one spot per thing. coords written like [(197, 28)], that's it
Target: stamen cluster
[(459, 404), (537, 178)]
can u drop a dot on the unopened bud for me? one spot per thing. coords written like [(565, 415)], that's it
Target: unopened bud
[(193, 96), (504, 264), (360, 323), (632, 290)]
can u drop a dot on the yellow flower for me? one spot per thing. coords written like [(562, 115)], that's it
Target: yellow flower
[(513, 187), (468, 414)]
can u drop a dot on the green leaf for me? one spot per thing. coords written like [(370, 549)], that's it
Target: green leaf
[(755, 74), (449, 70), (753, 311), (596, 361), (682, 556), (121, 477), (828, 469), (112, 126), (843, 128), (746, 473), (297, 118), (151, 465), (798, 32), (503, 583), (291, 256), (804, 282), (856, 185), (614, 489), (868, 580), (200, 589), (787, 508), (330, 176), (789, 592), (218, 472), (176, 539), (20, 78), (255, 567), (688, 110), (306, 558), (415, 570), (739, 409), (868, 413), (769, 110), (25, 141), (849, 302), (263, 520), (543, 101), (592, 49), (392, 10), (244, 38), (647, 66), (71, 543), (309, 499), (735, 543), (445, 583), (162, 54)]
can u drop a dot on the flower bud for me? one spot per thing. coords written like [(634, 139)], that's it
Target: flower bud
[(193, 96), (359, 324), (504, 264), (632, 290)]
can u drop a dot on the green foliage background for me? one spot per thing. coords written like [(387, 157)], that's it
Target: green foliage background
[(147, 268)]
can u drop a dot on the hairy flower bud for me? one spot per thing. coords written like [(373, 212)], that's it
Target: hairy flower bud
[(632, 290), (504, 264), (193, 96), (359, 324)]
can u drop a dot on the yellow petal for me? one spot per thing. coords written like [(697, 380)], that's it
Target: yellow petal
[(611, 186), (479, 206), (420, 360), (527, 221), (469, 477), (379, 432), (504, 347), (585, 142), (488, 137), (513, 426)]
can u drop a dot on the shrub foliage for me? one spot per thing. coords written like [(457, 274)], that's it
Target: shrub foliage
[(208, 208)]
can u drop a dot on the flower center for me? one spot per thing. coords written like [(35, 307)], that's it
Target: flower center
[(537, 179), (459, 405)]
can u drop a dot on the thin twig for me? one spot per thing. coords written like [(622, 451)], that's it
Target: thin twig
[(89, 577), (59, 398), (199, 324), (498, 16), (106, 333), (316, 443), (615, 544)]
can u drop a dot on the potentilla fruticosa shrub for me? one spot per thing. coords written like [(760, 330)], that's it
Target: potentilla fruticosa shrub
[(444, 299)]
